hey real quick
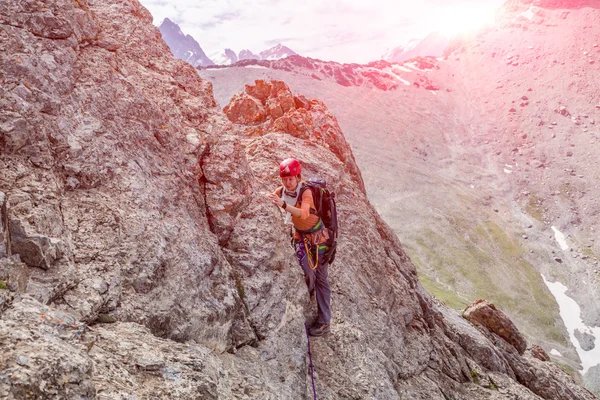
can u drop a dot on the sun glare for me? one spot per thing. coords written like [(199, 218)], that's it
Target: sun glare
[(466, 19)]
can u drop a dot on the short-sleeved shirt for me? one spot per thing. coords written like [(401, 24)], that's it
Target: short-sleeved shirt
[(309, 218)]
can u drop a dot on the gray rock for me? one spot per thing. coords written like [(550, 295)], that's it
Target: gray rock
[(536, 164), (586, 340), (562, 110), (22, 361)]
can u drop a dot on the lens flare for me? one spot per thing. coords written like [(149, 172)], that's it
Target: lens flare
[(464, 20)]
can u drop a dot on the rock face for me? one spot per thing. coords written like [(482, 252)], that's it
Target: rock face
[(484, 314), (101, 186), (156, 268)]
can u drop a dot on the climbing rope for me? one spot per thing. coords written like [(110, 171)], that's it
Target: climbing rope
[(312, 370), (312, 263)]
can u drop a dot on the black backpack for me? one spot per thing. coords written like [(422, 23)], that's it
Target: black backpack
[(324, 201)]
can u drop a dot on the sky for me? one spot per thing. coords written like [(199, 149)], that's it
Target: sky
[(331, 30)]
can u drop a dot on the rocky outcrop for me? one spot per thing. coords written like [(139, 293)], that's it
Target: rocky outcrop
[(175, 278), (271, 106), (539, 353), (484, 314)]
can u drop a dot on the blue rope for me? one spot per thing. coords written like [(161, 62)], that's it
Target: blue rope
[(312, 371)]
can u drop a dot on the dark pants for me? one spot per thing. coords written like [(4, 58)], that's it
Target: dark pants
[(318, 281)]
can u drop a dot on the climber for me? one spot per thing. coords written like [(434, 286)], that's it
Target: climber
[(309, 237)]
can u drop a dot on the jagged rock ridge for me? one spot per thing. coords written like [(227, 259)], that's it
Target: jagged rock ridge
[(154, 267)]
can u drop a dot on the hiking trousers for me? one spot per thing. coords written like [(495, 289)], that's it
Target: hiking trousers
[(316, 280)]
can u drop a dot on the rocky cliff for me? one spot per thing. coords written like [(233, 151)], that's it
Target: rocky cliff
[(140, 259)]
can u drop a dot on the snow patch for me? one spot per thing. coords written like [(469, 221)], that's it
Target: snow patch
[(391, 72), (413, 65), (433, 92), (560, 238), (256, 66), (508, 169), (570, 312), (401, 68), (555, 352), (527, 14)]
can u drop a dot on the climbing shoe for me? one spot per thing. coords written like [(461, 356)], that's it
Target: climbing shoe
[(318, 329)]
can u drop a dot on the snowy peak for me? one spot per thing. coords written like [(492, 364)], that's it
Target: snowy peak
[(227, 57), (183, 46), (276, 53), (432, 45)]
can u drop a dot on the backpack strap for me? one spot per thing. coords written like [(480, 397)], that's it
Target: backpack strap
[(305, 187)]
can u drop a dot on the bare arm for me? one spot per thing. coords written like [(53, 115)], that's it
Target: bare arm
[(302, 212)]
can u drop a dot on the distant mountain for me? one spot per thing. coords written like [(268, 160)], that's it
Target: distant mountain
[(247, 55), (183, 46), (432, 45), (276, 53), (227, 57)]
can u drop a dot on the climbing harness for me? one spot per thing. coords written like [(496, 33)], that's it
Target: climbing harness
[(313, 261), (312, 371)]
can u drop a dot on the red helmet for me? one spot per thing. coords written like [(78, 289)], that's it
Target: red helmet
[(290, 167)]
